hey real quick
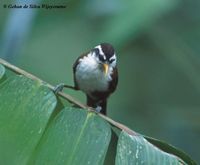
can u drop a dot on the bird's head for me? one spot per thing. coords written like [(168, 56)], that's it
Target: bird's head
[(104, 55)]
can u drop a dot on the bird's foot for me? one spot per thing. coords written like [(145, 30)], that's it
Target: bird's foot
[(98, 109), (58, 88)]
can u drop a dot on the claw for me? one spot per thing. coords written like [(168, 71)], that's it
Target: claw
[(98, 109), (58, 88)]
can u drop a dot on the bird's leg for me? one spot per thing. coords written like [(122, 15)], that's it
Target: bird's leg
[(59, 87), (94, 104)]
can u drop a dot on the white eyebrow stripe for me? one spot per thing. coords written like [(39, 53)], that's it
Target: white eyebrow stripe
[(100, 50), (113, 57)]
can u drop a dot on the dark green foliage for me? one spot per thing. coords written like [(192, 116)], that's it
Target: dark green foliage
[(74, 136), (25, 108), (33, 130), (138, 150)]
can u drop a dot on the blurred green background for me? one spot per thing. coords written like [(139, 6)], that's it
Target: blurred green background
[(157, 44)]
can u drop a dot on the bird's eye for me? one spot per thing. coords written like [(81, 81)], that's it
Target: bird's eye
[(101, 58), (96, 51)]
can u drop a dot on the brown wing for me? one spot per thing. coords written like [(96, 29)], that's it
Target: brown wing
[(114, 82), (74, 69)]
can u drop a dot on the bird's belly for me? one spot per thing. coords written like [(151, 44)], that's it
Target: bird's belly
[(91, 80)]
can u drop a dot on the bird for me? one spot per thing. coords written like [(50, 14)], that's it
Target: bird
[(95, 73)]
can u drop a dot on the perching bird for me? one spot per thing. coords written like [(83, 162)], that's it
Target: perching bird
[(95, 73)]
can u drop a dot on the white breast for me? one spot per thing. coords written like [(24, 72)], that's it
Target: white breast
[(89, 77)]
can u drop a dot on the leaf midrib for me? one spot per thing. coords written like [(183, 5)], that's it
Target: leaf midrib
[(79, 137)]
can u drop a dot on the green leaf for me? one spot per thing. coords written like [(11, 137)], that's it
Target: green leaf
[(171, 149), (74, 137), (36, 129), (25, 108), (137, 150)]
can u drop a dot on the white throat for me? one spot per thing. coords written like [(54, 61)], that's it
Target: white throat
[(90, 77)]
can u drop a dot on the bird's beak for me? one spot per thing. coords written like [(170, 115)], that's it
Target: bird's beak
[(105, 68)]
